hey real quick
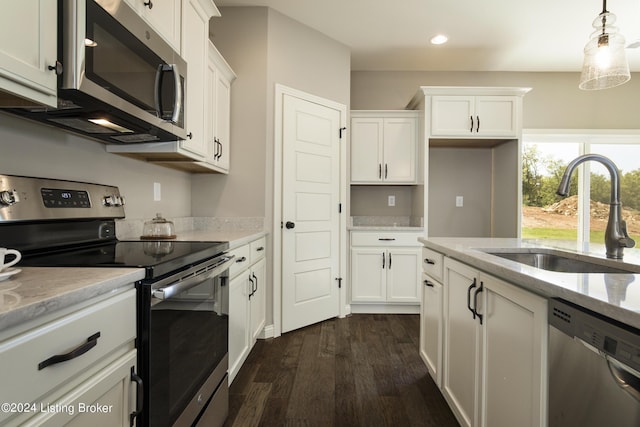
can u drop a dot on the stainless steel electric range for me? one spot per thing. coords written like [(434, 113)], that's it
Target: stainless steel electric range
[(182, 329)]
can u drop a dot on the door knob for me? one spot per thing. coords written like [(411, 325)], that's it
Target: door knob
[(290, 225)]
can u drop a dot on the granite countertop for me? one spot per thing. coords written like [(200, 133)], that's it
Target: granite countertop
[(36, 291), (613, 295)]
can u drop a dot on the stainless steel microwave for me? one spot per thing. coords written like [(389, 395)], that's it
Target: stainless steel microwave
[(118, 80)]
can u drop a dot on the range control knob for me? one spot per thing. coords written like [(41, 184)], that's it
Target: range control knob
[(8, 198), (113, 201)]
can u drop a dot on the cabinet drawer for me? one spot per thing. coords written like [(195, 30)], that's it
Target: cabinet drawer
[(432, 263), (258, 249), (243, 260), (385, 238), (23, 356)]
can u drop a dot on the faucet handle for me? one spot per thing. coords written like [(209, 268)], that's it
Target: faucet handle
[(625, 240)]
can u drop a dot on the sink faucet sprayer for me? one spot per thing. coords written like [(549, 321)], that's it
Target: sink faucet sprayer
[(615, 237)]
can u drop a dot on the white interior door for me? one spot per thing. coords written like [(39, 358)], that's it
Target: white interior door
[(310, 200)]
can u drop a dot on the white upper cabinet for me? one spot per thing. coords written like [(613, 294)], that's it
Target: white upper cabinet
[(163, 16), (475, 116), (28, 34), (194, 50), (383, 147), (218, 122), (458, 112)]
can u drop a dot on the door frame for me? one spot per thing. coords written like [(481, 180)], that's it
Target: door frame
[(280, 92)]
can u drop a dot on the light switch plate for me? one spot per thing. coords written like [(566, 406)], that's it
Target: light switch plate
[(459, 201), (392, 200)]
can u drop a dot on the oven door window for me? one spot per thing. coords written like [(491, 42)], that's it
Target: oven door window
[(118, 62), (188, 338)]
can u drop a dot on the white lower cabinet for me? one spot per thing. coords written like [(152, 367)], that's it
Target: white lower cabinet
[(76, 369), (514, 354), (462, 342), (247, 302), (102, 401), (431, 327), (385, 271), (494, 350)]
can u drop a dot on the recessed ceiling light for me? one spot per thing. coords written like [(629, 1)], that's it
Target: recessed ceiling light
[(439, 39)]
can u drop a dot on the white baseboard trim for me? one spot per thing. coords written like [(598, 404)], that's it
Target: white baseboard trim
[(267, 332)]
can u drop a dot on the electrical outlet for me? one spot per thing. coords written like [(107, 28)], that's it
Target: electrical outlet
[(157, 192), (459, 201), (392, 200)]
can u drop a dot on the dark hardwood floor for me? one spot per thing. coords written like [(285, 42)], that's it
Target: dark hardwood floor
[(363, 370)]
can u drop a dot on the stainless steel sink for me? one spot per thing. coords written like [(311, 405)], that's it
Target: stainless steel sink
[(564, 262)]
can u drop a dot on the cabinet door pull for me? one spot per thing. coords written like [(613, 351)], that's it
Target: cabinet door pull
[(380, 170), (387, 239), (241, 259), (477, 124), (471, 129), (428, 283), (57, 68), (219, 152), (385, 171), (251, 292), (429, 261), (76, 352), (475, 301), (260, 249), (473, 285), (215, 154), (383, 259), (389, 260), (256, 284), (139, 397)]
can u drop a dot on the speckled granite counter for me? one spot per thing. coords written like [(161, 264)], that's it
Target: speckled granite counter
[(37, 291), (613, 295)]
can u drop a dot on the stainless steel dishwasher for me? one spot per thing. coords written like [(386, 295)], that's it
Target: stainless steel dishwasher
[(594, 369)]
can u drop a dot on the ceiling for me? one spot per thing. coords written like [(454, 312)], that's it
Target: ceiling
[(489, 35)]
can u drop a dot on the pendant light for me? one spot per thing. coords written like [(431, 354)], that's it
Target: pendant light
[(605, 60)]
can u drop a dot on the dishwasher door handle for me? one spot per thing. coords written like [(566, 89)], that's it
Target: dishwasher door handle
[(625, 377)]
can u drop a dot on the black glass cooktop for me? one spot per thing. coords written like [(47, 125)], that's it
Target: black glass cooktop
[(158, 257)]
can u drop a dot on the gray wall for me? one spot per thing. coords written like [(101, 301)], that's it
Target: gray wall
[(32, 149), (555, 101), (264, 48), (241, 35), (462, 172), (372, 200)]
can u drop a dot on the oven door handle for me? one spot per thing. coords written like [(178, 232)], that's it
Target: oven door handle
[(180, 286)]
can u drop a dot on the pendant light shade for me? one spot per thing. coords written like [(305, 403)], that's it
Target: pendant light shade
[(605, 60)]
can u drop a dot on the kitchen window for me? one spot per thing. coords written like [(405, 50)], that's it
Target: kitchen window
[(581, 217)]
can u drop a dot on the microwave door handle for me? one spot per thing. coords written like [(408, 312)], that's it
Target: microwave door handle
[(158, 89), (177, 106), (177, 90)]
